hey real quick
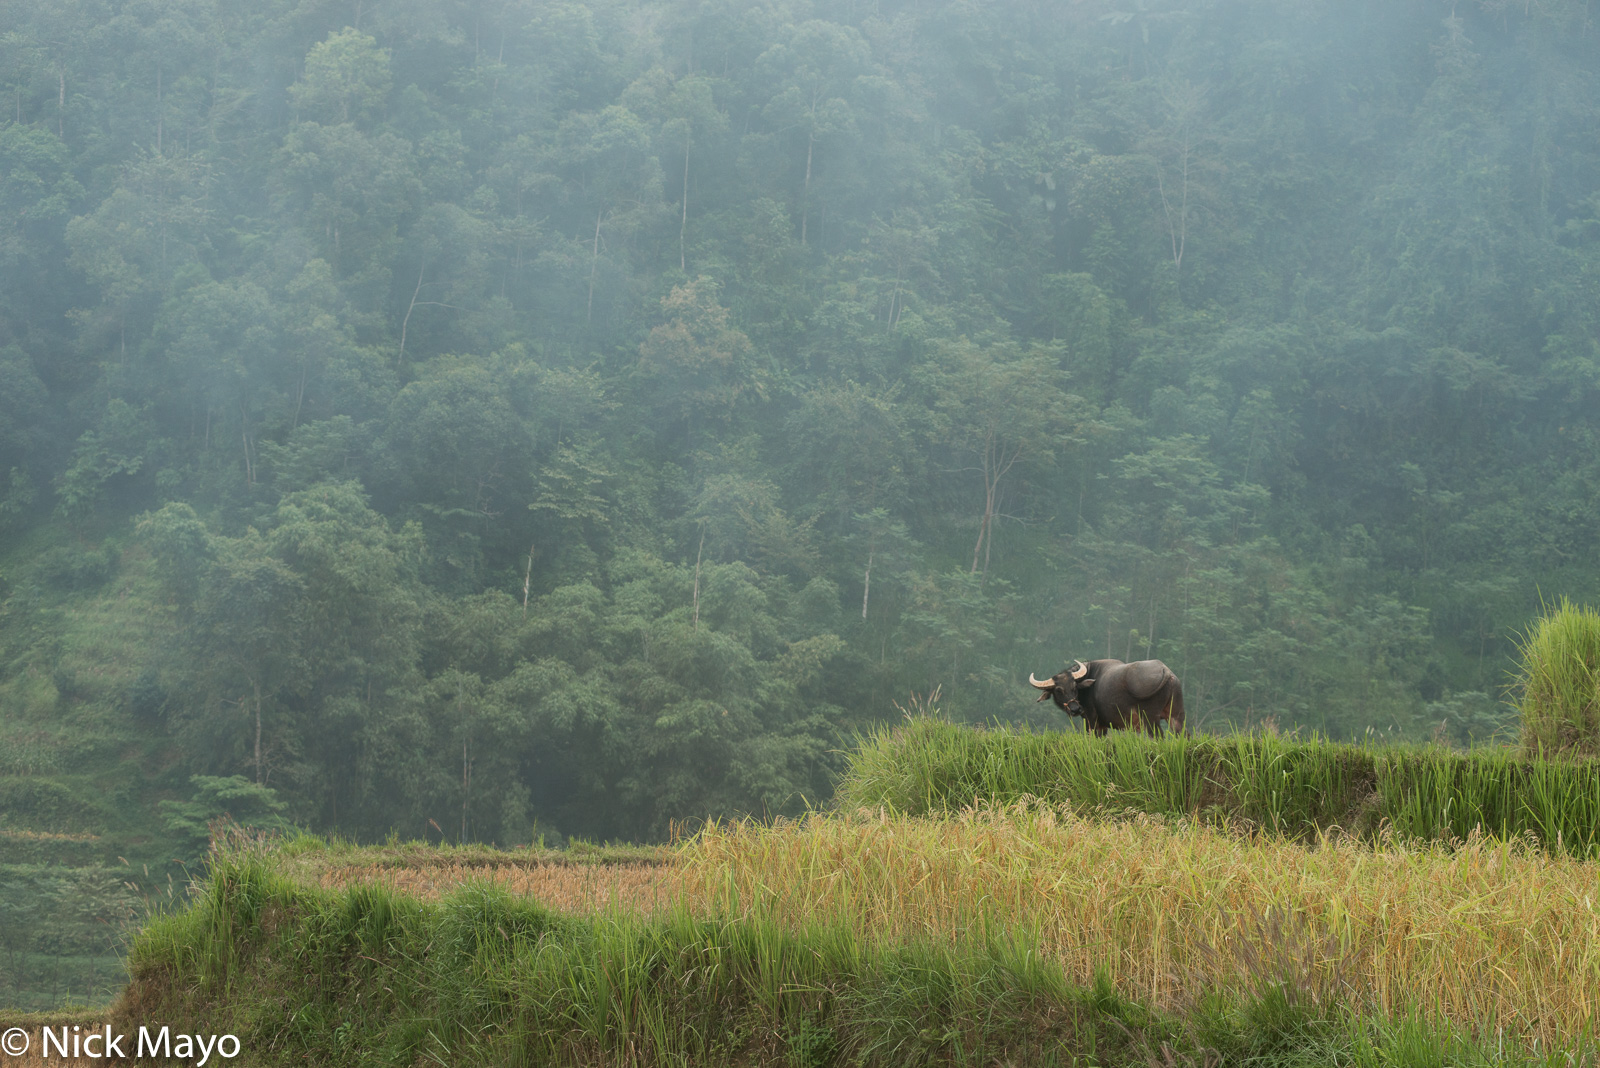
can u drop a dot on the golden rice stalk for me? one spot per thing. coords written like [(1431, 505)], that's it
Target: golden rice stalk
[(564, 887), (1487, 931)]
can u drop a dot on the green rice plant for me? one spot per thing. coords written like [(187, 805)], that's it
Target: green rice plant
[(1562, 808), (1178, 771), (1486, 793), (1266, 782), (1279, 784), (1559, 676), (1417, 792)]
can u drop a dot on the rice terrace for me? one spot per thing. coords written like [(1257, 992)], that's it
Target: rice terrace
[(974, 897)]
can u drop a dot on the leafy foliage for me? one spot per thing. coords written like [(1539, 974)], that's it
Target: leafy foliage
[(235, 799), (482, 420)]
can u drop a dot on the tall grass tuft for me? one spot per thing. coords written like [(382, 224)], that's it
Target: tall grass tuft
[(1560, 682)]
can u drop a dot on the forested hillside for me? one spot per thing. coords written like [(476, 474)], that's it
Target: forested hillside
[(474, 418)]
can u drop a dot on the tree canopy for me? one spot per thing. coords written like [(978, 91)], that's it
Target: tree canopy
[(573, 417)]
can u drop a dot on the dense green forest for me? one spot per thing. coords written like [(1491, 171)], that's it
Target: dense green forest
[(485, 418)]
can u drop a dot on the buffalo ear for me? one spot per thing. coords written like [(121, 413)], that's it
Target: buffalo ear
[(1084, 684)]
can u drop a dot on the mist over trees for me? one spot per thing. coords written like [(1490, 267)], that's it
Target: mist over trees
[(515, 414)]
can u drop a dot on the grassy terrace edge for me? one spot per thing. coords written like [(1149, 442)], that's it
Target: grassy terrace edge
[(1260, 781), (364, 974)]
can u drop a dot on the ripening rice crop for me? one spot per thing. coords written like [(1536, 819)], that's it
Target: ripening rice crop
[(996, 929), (563, 887), (1491, 933), (1488, 933)]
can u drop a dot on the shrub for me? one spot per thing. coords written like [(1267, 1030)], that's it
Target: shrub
[(72, 567), (1560, 682)]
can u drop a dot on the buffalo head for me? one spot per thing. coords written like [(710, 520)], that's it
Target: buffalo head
[(1063, 686)]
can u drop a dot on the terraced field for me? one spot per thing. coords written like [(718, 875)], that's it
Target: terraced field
[(1016, 931)]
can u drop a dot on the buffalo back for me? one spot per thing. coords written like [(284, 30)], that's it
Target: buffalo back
[(1143, 678)]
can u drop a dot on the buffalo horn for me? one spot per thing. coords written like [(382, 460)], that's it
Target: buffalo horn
[(1081, 670), (1047, 684)]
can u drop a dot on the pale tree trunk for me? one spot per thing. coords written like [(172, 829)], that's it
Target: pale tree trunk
[(255, 686), (697, 555), (995, 465), (527, 580), (895, 306), (989, 479), (1150, 633), (683, 226), (988, 541), (594, 265), (413, 306), (244, 436), (299, 395), (866, 585), (983, 531), (466, 788), (409, 309), (1178, 231), (805, 189), (466, 765)]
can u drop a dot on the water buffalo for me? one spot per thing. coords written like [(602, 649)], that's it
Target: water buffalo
[(1109, 693)]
